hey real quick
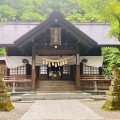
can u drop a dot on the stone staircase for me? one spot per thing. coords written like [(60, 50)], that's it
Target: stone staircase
[(55, 90), (55, 86)]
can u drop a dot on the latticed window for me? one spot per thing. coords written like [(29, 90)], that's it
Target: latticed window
[(66, 69), (18, 70), (43, 69), (90, 69)]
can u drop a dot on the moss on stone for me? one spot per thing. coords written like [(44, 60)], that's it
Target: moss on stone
[(5, 103), (111, 105), (106, 105)]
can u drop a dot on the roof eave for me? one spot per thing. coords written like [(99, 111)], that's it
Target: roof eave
[(7, 45), (108, 45)]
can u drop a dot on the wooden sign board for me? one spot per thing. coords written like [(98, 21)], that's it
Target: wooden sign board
[(55, 36)]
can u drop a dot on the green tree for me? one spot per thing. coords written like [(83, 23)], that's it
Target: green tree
[(32, 16), (111, 56), (93, 9), (7, 12), (112, 14), (2, 51), (83, 11)]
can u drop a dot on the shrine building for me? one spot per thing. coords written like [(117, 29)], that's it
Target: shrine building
[(54, 49)]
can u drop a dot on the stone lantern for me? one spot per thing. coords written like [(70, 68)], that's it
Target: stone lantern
[(113, 95), (5, 102)]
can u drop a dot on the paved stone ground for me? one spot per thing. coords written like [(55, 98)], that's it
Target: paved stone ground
[(60, 110)]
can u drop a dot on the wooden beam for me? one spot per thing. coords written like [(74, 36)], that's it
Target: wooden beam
[(55, 52), (33, 67), (77, 82)]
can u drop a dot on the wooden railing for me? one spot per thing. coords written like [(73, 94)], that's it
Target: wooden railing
[(95, 82), (18, 83), (88, 82)]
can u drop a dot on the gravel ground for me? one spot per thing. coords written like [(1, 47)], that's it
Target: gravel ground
[(17, 112), (95, 105), (21, 108)]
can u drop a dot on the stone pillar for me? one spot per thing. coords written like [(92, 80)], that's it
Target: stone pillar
[(77, 82), (33, 67)]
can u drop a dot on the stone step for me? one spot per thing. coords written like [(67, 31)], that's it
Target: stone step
[(56, 81), (58, 86), (58, 91), (53, 82), (55, 96), (55, 89)]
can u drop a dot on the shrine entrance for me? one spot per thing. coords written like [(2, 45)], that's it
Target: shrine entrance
[(56, 73), (56, 67)]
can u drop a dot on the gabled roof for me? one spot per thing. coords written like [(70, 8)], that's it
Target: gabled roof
[(11, 31), (81, 36), (15, 31)]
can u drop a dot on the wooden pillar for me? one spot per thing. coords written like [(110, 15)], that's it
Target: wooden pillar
[(100, 70), (8, 72), (77, 82), (8, 69), (33, 67)]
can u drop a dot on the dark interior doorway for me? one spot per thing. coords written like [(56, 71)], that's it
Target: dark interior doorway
[(55, 72)]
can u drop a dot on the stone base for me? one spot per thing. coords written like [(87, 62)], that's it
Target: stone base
[(55, 96), (112, 101), (5, 102)]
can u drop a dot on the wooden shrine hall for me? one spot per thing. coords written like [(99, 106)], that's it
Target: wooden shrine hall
[(54, 49)]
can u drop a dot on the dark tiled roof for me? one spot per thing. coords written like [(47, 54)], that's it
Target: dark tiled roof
[(9, 32)]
